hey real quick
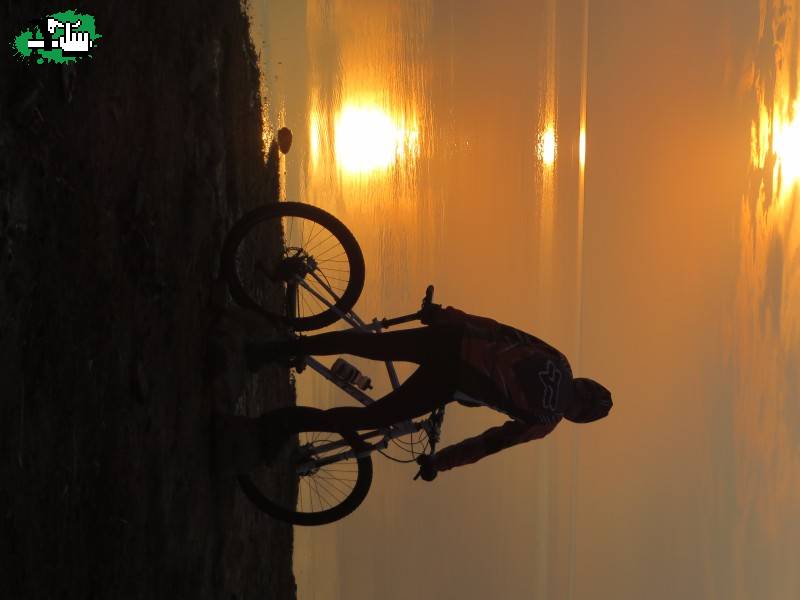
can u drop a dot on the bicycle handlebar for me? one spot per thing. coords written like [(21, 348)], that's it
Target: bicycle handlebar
[(428, 296), (433, 427), (427, 303)]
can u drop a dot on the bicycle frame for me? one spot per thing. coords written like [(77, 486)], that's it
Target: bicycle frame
[(394, 431)]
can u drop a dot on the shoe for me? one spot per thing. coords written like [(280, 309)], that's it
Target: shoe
[(258, 353)]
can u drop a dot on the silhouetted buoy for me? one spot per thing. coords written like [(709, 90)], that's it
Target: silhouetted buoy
[(284, 139)]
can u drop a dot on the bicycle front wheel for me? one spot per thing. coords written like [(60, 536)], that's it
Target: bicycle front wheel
[(330, 486), (317, 249)]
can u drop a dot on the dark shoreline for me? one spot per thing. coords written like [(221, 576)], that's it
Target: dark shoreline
[(119, 177)]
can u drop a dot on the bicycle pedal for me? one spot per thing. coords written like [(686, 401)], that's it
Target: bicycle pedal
[(298, 363)]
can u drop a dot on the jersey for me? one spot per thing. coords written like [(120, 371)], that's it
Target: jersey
[(510, 371)]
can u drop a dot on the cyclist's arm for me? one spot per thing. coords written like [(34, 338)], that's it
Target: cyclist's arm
[(490, 327), (450, 315), (490, 441)]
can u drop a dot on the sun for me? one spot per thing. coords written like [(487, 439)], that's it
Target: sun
[(368, 139)]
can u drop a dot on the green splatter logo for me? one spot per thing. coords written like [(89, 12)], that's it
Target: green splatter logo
[(61, 38)]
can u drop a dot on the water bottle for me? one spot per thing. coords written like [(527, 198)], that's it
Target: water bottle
[(344, 371)]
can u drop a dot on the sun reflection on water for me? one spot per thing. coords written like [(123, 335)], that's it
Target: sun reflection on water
[(547, 146), (369, 139), (314, 126)]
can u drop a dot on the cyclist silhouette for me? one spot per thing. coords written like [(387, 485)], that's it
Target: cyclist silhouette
[(471, 359)]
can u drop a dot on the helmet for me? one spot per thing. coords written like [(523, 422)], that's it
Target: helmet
[(590, 401)]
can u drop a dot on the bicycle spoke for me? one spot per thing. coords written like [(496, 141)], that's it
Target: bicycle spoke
[(329, 483), (335, 288), (334, 260), (310, 493), (342, 480), (311, 497), (322, 498), (304, 304), (310, 249), (269, 255), (319, 256), (327, 277), (337, 270), (317, 302), (313, 297), (327, 285), (304, 239), (307, 244), (327, 468), (310, 239), (318, 282), (323, 486), (319, 289), (300, 226), (313, 493)]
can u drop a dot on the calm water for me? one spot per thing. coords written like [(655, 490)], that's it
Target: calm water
[(450, 137), (450, 170), (455, 157)]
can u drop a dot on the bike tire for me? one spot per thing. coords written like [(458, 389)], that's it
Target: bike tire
[(355, 259), (323, 517)]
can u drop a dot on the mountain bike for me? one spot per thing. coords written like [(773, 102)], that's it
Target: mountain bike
[(304, 260)]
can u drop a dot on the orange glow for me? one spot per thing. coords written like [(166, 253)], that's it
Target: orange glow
[(547, 146), (368, 139), (783, 126), (314, 135), (786, 145)]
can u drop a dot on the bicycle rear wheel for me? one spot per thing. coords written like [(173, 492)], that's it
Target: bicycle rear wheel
[(327, 492), (316, 248)]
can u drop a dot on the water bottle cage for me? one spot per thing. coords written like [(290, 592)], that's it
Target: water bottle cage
[(348, 373)]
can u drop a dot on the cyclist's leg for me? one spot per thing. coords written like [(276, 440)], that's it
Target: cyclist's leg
[(418, 345), (426, 389)]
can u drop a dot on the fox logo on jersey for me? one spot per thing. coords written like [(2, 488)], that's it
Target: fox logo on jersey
[(551, 379)]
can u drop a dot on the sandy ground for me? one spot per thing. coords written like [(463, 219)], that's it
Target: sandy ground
[(118, 180)]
